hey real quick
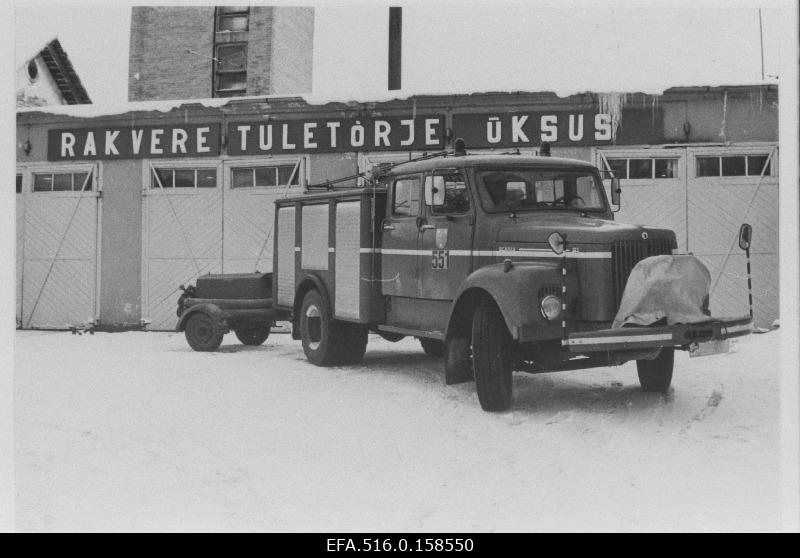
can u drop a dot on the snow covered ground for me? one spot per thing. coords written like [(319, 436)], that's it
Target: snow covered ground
[(134, 431)]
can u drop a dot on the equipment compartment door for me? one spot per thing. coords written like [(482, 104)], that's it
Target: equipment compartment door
[(400, 248)]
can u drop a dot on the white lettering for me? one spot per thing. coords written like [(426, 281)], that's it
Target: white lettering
[(517, 135), (201, 140), (602, 127), (155, 142), (179, 137), (136, 136), (333, 126), (243, 131), (549, 126), (575, 135), (430, 131), (308, 135), (382, 130), (89, 148), (67, 144), (494, 130), (286, 144), (110, 148), (410, 124), (265, 145), (357, 134)]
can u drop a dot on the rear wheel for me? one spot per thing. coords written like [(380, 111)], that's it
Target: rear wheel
[(491, 354), (432, 347), (253, 335), (655, 375), (322, 337), (202, 332)]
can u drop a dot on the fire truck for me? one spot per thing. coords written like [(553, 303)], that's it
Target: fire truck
[(496, 263)]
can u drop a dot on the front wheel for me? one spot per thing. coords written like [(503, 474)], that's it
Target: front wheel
[(202, 332), (491, 355), (655, 375), (253, 335)]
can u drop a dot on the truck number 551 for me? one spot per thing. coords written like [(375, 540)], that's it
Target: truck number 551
[(440, 259)]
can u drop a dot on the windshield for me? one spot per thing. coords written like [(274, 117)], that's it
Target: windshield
[(523, 189)]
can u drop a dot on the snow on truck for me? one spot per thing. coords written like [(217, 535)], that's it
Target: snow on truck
[(496, 263)]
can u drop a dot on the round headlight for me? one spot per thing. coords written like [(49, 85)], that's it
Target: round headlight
[(551, 307)]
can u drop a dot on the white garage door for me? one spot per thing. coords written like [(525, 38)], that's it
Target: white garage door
[(182, 233), (57, 277), (20, 245), (251, 188)]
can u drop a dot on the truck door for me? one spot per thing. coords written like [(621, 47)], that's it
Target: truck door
[(446, 240), (400, 247)]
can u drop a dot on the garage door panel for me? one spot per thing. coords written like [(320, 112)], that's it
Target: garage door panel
[(58, 295), (165, 277), (716, 212), (248, 222), (655, 205), (181, 224), (64, 225), (729, 295)]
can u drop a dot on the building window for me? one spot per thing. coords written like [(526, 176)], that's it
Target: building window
[(265, 177), (644, 169), (33, 70), (60, 182), (19, 184), (183, 178), (231, 70), (733, 165), (233, 18)]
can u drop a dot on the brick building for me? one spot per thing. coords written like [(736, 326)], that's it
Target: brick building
[(200, 52)]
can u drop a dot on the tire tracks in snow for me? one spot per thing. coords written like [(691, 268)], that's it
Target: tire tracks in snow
[(712, 403)]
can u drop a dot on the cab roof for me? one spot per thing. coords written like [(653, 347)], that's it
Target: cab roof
[(500, 160)]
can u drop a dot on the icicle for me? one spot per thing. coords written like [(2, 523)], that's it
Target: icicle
[(611, 104), (724, 114)]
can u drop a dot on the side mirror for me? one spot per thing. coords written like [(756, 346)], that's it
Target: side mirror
[(745, 236), (615, 191), (434, 191)]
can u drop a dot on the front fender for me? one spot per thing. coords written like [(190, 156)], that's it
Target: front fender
[(216, 313), (516, 292)]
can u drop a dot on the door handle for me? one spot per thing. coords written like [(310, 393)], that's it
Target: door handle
[(388, 227), (424, 228)]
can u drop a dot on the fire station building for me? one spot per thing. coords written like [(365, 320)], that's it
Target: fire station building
[(115, 211)]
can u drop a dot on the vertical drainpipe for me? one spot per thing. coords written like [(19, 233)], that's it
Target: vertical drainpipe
[(395, 47)]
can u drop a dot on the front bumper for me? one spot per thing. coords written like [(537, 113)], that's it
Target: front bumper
[(678, 335)]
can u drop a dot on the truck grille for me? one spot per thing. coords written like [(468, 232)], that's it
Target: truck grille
[(625, 254)]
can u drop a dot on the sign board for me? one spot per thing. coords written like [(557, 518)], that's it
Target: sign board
[(137, 142), (530, 129), (326, 135)]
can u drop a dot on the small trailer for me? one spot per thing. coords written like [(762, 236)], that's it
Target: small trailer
[(495, 263)]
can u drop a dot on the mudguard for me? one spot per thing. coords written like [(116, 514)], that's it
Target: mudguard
[(211, 309), (516, 291)]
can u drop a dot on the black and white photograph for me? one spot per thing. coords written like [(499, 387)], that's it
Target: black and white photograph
[(422, 270)]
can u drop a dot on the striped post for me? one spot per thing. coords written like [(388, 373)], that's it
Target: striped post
[(564, 292), (749, 283)]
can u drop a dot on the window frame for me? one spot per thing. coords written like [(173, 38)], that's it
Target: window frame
[(746, 156), (300, 161), (149, 166), (229, 92), (433, 210), (220, 14), (421, 199), (30, 170)]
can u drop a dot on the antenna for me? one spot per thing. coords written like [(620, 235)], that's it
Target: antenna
[(761, 38)]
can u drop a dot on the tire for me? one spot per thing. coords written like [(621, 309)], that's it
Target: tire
[(491, 354), (655, 375), (432, 347), (355, 344), (253, 335), (323, 338), (202, 332)]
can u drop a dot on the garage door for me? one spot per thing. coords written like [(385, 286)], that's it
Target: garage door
[(182, 234), (727, 187), (57, 273), (20, 246), (251, 188)]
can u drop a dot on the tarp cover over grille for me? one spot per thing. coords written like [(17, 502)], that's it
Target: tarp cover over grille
[(671, 287)]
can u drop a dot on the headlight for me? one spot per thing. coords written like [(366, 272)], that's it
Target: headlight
[(550, 307)]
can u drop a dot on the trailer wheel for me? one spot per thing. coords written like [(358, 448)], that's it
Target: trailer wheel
[(253, 335), (491, 354), (202, 332), (322, 337), (432, 347), (656, 375), (355, 343)]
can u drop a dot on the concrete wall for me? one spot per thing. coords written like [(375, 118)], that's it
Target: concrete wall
[(293, 48), (121, 245), (160, 66)]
